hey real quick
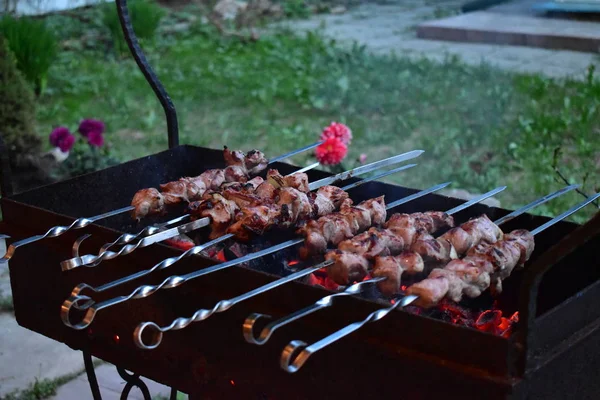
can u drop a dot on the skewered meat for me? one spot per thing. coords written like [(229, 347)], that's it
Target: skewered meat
[(296, 181), (336, 227), (439, 252), (190, 189), (219, 209), (292, 207), (485, 265), (472, 232), (353, 257), (147, 201), (240, 166), (392, 268)]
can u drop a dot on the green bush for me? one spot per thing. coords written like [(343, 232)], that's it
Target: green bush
[(17, 119), (145, 18), (33, 45)]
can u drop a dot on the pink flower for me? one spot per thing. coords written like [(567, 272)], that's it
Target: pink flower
[(339, 131), (363, 158), (62, 138), (95, 139), (331, 152), (88, 126)]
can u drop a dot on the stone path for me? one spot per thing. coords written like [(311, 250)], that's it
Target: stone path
[(111, 385), (26, 356), (391, 28)]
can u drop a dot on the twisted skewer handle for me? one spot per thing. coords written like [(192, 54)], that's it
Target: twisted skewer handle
[(76, 299), (92, 261), (56, 231), (327, 301), (221, 306), (297, 352), (128, 237)]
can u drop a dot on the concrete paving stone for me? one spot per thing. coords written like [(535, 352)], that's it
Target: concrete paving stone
[(572, 59), (486, 27), (26, 355), (525, 54), (111, 385)]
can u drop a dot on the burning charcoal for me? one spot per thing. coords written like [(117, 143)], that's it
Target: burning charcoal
[(489, 320)]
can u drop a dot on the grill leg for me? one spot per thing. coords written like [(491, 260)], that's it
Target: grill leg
[(133, 380), (91, 375), (130, 379)]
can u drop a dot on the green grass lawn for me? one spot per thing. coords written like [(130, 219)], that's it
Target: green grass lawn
[(481, 127)]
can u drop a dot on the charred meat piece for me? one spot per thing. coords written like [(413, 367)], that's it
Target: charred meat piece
[(240, 165), (254, 220), (295, 206), (297, 181), (485, 265), (469, 234), (147, 201), (219, 209)]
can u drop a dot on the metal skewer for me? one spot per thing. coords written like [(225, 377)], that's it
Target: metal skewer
[(224, 305), (297, 352), (267, 331), (327, 301), (83, 222), (59, 230), (149, 236), (81, 301), (92, 261)]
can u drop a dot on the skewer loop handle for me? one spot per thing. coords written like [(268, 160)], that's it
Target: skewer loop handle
[(74, 302), (153, 332)]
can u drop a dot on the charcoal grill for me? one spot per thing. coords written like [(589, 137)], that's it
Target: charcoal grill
[(553, 353)]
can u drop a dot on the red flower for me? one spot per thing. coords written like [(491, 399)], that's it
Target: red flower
[(339, 131), (331, 152), (95, 139), (62, 138), (88, 126)]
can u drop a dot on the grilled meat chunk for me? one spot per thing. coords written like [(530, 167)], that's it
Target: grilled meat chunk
[(353, 256), (189, 189), (402, 231), (294, 205), (485, 265), (336, 227), (241, 165), (480, 229), (147, 201), (433, 250), (219, 209), (297, 181), (254, 220), (292, 208), (392, 268)]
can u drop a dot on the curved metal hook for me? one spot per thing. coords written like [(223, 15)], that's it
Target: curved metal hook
[(327, 301), (151, 78), (296, 353)]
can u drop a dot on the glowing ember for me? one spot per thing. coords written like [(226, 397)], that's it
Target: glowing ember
[(232, 382), (293, 262), (322, 280), (492, 321), (221, 256)]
